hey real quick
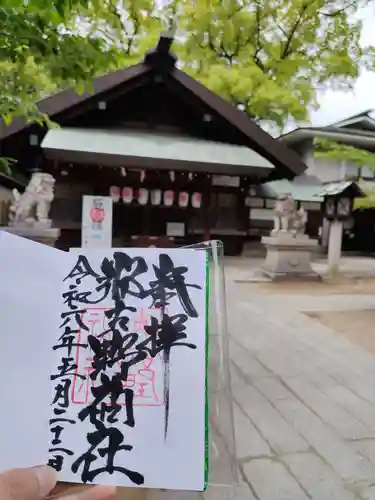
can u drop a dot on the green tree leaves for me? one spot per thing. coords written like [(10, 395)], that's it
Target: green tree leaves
[(343, 153), (271, 56), (268, 57), (63, 43)]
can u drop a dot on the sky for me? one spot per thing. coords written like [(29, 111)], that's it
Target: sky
[(336, 105)]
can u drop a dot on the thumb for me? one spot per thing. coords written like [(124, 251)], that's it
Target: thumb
[(27, 484)]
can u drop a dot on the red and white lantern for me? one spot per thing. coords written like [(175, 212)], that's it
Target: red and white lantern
[(183, 199), (196, 200), (142, 196), (156, 197), (127, 195), (168, 198), (115, 193)]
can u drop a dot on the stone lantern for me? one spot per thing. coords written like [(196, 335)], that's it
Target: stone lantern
[(337, 208)]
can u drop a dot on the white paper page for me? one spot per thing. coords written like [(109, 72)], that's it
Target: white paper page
[(159, 410), (30, 274)]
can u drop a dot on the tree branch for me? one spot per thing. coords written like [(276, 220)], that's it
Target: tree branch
[(286, 51), (137, 27), (339, 11), (258, 45)]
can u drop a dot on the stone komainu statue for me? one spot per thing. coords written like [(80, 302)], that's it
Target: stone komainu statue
[(287, 217), (34, 204)]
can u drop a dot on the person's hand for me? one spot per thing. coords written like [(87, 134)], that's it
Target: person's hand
[(37, 483)]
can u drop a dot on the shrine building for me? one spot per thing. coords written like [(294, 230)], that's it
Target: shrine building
[(181, 164)]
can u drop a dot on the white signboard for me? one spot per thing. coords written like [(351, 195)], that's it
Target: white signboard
[(175, 229), (261, 214), (97, 222), (225, 180)]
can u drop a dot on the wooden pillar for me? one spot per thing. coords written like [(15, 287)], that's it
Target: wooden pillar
[(247, 209), (145, 217), (206, 202)]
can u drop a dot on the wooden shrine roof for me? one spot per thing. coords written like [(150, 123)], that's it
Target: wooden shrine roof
[(161, 61)]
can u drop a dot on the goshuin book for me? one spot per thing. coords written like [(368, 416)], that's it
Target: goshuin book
[(105, 360)]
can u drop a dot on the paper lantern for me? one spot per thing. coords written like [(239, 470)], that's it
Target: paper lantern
[(142, 196), (115, 193), (183, 199), (156, 197), (127, 195), (196, 200), (168, 198)]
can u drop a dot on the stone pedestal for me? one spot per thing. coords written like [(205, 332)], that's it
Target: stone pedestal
[(289, 256), (47, 236)]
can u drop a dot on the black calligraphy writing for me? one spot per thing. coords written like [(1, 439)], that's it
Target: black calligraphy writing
[(121, 280)]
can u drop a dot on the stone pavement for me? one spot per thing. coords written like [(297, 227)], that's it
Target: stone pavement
[(304, 397)]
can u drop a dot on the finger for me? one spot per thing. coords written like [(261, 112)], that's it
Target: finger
[(94, 493), (65, 489), (27, 484)]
